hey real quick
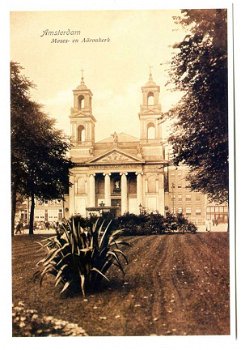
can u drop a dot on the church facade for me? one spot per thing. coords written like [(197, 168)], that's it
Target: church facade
[(120, 173)]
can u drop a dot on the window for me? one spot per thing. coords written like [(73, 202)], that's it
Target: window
[(188, 197), (150, 99), (179, 197), (150, 131), (179, 210), (60, 214), (198, 197), (188, 211), (198, 211), (81, 133), (81, 102), (225, 209), (179, 185)]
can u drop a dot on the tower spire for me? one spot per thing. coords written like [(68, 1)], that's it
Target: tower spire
[(150, 73), (82, 77)]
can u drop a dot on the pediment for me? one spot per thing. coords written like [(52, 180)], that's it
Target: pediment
[(76, 113), (151, 110), (115, 157)]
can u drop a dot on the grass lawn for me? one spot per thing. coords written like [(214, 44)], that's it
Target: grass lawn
[(174, 285)]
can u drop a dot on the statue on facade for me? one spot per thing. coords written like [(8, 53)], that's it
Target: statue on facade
[(139, 150), (115, 137), (117, 185)]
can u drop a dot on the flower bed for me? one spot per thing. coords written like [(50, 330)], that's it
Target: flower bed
[(27, 323)]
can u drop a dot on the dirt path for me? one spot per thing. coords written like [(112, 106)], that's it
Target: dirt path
[(174, 285)]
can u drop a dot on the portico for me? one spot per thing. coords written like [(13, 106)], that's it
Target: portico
[(116, 189)]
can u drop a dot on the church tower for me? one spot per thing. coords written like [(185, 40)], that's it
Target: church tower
[(150, 113), (82, 122)]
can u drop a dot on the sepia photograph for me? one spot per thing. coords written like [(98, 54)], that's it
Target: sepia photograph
[(121, 171)]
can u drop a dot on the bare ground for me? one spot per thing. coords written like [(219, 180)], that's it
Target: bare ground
[(174, 285)]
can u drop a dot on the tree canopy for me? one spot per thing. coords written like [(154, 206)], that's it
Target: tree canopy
[(199, 70), (38, 150)]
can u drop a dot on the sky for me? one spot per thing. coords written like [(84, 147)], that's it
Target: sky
[(113, 70)]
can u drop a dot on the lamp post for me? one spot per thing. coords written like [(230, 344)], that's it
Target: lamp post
[(102, 204), (140, 208), (173, 198)]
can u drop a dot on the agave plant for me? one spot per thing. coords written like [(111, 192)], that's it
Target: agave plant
[(80, 257)]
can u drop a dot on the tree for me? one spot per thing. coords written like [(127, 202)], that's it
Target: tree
[(20, 101), (199, 70), (38, 151)]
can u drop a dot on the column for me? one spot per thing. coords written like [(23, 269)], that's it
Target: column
[(107, 190), (139, 189), (146, 185), (71, 196), (92, 190), (75, 132), (161, 195), (124, 206)]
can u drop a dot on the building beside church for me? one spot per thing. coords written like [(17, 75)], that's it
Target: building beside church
[(180, 199)]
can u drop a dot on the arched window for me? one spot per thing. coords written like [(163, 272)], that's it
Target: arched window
[(150, 99), (81, 133), (81, 101), (151, 131)]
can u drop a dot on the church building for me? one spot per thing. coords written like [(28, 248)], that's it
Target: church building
[(120, 173)]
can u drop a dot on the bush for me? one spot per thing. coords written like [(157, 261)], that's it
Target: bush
[(130, 223), (170, 223), (191, 228), (27, 323), (153, 224), (80, 257)]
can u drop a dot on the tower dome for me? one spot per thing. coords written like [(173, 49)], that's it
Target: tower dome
[(82, 85), (150, 82)]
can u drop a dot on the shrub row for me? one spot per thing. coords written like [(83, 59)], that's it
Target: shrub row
[(146, 224)]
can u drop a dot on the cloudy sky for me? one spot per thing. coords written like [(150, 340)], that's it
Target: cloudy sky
[(113, 70)]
